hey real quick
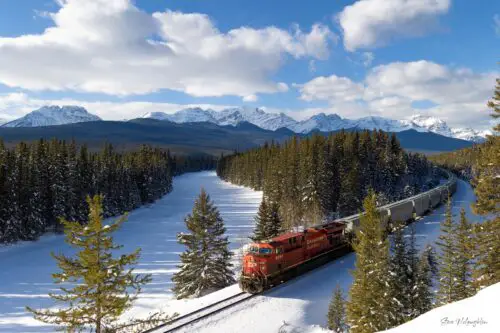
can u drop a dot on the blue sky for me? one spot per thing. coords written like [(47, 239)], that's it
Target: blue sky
[(123, 58)]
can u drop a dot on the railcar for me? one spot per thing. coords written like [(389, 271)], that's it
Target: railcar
[(271, 262)]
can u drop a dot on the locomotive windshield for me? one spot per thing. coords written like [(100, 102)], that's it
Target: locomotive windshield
[(257, 250)]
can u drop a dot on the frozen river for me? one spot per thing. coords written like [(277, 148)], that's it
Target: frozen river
[(25, 274)]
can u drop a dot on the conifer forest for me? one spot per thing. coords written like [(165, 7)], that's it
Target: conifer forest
[(44, 181), (329, 176)]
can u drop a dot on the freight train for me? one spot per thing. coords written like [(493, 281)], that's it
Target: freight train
[(268, 263)]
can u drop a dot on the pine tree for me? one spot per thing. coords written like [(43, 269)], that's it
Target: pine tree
[(400, 280), (98, 287), (487, 183), (463, 257), (447, 260), (423, 295), (267, 222), (369, 309), (336, 312), (206, 262)]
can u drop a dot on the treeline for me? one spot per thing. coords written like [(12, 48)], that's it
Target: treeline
[(322, 176), (462, 162), (48, 180)]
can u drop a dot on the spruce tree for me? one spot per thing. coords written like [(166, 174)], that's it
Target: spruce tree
[(400, 280), (336, 312), (463, 257), (423, 296), (206, 262), (447, 292), (369, 309), (97, 286), (487, 183), (267, 222)]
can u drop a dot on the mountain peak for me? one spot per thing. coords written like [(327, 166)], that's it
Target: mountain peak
[(50, 115)]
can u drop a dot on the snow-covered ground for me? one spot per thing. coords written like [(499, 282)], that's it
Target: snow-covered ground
[(301, 306), (25, 268), (476, 314)]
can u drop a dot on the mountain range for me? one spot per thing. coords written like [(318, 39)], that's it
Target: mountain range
[(55, 115), (319, 122), (195, 137)]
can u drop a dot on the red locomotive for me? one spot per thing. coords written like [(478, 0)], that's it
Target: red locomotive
[(272, 262)]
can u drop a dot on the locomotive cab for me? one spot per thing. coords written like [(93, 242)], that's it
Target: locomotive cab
[(255, 260)]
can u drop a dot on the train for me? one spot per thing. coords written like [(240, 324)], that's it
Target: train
[(271, 262)]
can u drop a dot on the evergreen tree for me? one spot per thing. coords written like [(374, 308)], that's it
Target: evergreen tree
[(102, 286), (336, 312), (267, 222), (369, 309), (426, 271), (447, 291), (487, 261), (401, 278), (206, 262), (463, 257)]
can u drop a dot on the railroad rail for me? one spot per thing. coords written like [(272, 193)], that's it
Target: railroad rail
[(204, 312), (403, 210)]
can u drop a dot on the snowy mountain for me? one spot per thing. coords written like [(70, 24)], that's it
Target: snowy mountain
[(53, 115), (232, 117), (3, 121), (319, 122)]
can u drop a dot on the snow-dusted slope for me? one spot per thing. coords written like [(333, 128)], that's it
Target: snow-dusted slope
[(478, 314), (3, 121), (53, 115), (319, 122)]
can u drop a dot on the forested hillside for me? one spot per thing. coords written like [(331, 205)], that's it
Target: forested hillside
[(462, 162), (48, 180), (329, 176)]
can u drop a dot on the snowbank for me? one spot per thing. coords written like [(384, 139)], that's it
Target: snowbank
[(477, 314)]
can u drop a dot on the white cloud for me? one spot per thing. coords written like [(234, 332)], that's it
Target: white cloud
[(113, 47), (371, 23), (459, 94), (496, 22), (332, 88), (15, 105), (250, 98)]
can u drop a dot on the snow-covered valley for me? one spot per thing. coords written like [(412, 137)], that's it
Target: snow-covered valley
[(25, 277), (298, 306)]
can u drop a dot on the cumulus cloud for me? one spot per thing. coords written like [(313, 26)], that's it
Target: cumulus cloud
[(15, 105), (372, 23), (459, 94), (113, 47), (332, 88)]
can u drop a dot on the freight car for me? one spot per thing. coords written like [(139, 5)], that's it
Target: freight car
[(271, 262)]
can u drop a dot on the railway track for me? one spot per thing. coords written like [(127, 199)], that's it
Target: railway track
[(201, 313)]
